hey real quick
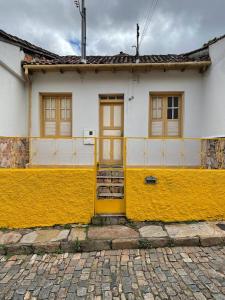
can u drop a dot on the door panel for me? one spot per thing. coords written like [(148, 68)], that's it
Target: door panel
[(106, 115), (112, 132), (117, 153), (117, 116), (106, 145), (111, 125)]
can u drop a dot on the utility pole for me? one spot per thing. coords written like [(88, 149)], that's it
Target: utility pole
[(83, 33), (82, 10), (137, 46)]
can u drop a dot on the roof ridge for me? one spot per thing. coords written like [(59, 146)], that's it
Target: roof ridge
[(206, 45), (27, 45)]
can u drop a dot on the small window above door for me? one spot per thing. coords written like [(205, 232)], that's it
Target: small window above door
[(112, 97)]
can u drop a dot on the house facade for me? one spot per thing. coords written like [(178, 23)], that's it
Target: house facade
[(65, 113), (95, 138)]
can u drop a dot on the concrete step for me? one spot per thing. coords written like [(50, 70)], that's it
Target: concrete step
[(109, 220)]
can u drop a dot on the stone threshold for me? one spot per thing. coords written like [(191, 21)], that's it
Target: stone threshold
[(78, 238)]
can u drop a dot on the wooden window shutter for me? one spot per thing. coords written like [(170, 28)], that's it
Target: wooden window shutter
[(165, 115), (56, 115)]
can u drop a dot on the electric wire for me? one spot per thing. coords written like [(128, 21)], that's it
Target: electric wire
[(149, 18)]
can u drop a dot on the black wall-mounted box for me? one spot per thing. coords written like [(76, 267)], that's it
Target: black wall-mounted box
[(150, 180)]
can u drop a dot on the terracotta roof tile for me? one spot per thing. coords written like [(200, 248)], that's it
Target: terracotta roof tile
[(38, 56), (117, 59), (26, 46)]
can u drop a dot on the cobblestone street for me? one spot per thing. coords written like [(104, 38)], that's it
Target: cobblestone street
[(163, 273)]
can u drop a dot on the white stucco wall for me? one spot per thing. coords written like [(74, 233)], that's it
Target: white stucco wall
[(85, 89), (214, 93), (13, 94), (12, 56)]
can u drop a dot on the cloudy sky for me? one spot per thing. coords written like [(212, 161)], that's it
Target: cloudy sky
[(176, 25)]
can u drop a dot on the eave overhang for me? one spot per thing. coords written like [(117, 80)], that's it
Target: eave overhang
[(143, 67)]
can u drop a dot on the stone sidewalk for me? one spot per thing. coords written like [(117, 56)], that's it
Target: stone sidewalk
[(77, 238), (178, 273)]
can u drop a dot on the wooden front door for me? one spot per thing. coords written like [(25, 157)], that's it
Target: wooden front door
[(111, 132)]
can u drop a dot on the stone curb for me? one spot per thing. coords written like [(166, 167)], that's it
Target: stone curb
[(111, 237), (116, 244)]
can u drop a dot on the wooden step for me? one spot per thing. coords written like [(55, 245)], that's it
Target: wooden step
[(108, 184)]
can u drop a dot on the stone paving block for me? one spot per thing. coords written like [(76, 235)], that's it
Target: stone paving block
[(46, 248), (152, 231), (2, 250), (18, 249), (62, 235), (45, 236), (68, 247), (29, 238), (77, 233), (170, 273), (11, 237), (95, 245), (186, 241), (212, 241), (125, 244), (154, 242), (197, 229), (111, 232)]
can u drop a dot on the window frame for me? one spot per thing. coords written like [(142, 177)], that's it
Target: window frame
[(164, 118), (58, 96)]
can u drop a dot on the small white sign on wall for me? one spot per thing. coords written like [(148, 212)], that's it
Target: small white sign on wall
[(89, 135)]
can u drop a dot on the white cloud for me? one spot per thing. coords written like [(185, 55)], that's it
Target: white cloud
[(176, 27)]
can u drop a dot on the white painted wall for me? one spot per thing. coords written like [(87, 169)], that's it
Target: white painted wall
[(85, 89), (13, 94), (12, 56), (214, 93)]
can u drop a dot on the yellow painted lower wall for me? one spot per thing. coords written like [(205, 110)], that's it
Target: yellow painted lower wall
[(44, 197), (179, 195)]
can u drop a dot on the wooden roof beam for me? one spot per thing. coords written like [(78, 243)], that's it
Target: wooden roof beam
[(110, 67)]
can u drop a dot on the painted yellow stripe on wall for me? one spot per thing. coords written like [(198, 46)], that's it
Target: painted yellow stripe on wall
[(44, 197), (179, 195)]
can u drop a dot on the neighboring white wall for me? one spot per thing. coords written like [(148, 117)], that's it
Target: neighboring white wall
[(13, 94), (12, 56), (214, 93), (85, 89)]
